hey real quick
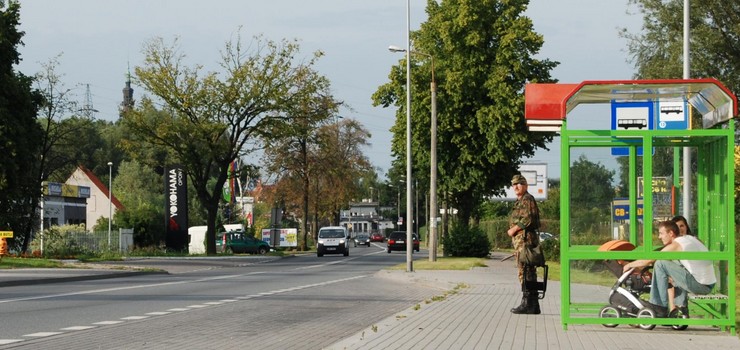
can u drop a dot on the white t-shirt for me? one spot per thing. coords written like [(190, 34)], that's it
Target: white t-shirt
[(702, 270)]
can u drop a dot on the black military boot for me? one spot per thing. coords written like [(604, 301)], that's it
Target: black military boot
[(534, 301), (522, 308), (533, 304)]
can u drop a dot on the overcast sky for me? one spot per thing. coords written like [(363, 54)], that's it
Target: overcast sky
[(99, 40)]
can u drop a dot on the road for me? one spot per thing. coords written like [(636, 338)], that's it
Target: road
[(301, 302)]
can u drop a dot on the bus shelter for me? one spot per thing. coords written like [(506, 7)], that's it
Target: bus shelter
[(649, 119)]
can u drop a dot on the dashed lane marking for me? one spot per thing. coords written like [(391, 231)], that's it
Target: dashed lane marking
[(77, 328), (160, 313), (41, 334)]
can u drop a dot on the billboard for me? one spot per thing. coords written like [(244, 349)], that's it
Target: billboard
[(176, 207), (536, 175), (288, 236)]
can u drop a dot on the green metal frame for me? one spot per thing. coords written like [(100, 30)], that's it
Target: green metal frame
[(715, 217)]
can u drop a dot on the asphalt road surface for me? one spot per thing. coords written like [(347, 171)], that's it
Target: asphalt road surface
[(301, 302)]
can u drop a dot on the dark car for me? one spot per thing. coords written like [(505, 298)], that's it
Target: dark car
[(397, 241), (377, 237), (237, 242), (362, 239)]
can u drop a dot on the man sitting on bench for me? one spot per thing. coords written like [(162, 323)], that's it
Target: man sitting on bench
[(695, 276)]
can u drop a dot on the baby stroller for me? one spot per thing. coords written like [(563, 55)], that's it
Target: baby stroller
[(624, 297)]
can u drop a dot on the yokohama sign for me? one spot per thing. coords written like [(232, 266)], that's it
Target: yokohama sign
[(176, 207)]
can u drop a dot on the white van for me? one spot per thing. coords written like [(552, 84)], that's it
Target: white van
[(332, 240)]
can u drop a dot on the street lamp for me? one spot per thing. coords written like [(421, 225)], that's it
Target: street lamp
[(409, 209), (110, 199), (432, 160)]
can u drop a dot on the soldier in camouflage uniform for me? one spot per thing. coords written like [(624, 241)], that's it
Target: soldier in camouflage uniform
[(524, 222)]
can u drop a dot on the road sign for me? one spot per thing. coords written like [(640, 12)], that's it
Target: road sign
[(6, 234), (631, 116), (672, 115)]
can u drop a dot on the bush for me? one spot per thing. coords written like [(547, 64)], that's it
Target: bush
[(464, 241), (551, 249), (63, 242)]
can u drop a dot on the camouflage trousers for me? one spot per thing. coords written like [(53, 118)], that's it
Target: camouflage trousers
[(525, 271)]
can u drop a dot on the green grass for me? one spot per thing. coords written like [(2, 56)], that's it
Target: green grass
[(25, 263), (444, 264)]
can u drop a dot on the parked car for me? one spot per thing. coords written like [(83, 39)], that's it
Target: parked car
[(332, 240), (237, 242), (397, 241), (362, 239), (377, 237)]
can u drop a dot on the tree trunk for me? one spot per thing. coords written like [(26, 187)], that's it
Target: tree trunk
[(304, 206)]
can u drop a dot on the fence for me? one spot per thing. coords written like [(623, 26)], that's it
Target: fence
[(68, 243)]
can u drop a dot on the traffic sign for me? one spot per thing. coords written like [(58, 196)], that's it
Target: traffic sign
[(631, 116)]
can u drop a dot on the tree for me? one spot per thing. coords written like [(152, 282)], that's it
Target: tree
[(657, 51), (139, 189), (591, 184), (211, 120), (484, 55), (291, 151), (19, 134)]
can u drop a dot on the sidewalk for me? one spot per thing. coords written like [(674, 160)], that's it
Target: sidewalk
[(478, 317)]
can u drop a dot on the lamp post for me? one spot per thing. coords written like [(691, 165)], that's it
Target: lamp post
[(432, 160), (110, 199), (409, 199)]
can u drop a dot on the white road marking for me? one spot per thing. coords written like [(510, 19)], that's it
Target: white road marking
[(95, 291), (77, 328), (105, 323), (132, 318), (157, 313), (42, 334)]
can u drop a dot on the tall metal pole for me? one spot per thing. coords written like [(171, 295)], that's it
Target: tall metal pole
[(110, 199), (433, 175), (686, 150), (409, 208)]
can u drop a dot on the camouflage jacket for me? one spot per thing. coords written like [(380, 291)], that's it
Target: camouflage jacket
[(525, 213)]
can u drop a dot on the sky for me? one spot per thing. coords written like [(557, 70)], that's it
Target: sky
[(100, 41)]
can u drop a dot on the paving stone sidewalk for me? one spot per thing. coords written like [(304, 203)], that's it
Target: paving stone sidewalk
[(478, 317)]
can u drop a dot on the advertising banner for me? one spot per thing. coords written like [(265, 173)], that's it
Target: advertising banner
[(288, 237), (176, 208)]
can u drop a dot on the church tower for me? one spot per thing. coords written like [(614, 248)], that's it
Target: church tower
[(128, 96)]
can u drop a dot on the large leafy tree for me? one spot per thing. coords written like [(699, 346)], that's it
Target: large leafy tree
[(209, 120), (484, 54), (657, 50), (323, 179), (19, 134), (291, 149)]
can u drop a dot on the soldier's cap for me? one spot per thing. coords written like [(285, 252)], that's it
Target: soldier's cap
[(518, 179)]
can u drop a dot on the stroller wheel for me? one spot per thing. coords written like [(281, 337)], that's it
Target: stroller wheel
[(610, 312), (646, 313), (679, 312)]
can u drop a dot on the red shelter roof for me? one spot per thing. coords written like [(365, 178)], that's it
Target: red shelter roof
[(547, 105)]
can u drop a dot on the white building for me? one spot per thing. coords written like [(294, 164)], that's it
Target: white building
[(98, 202)]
